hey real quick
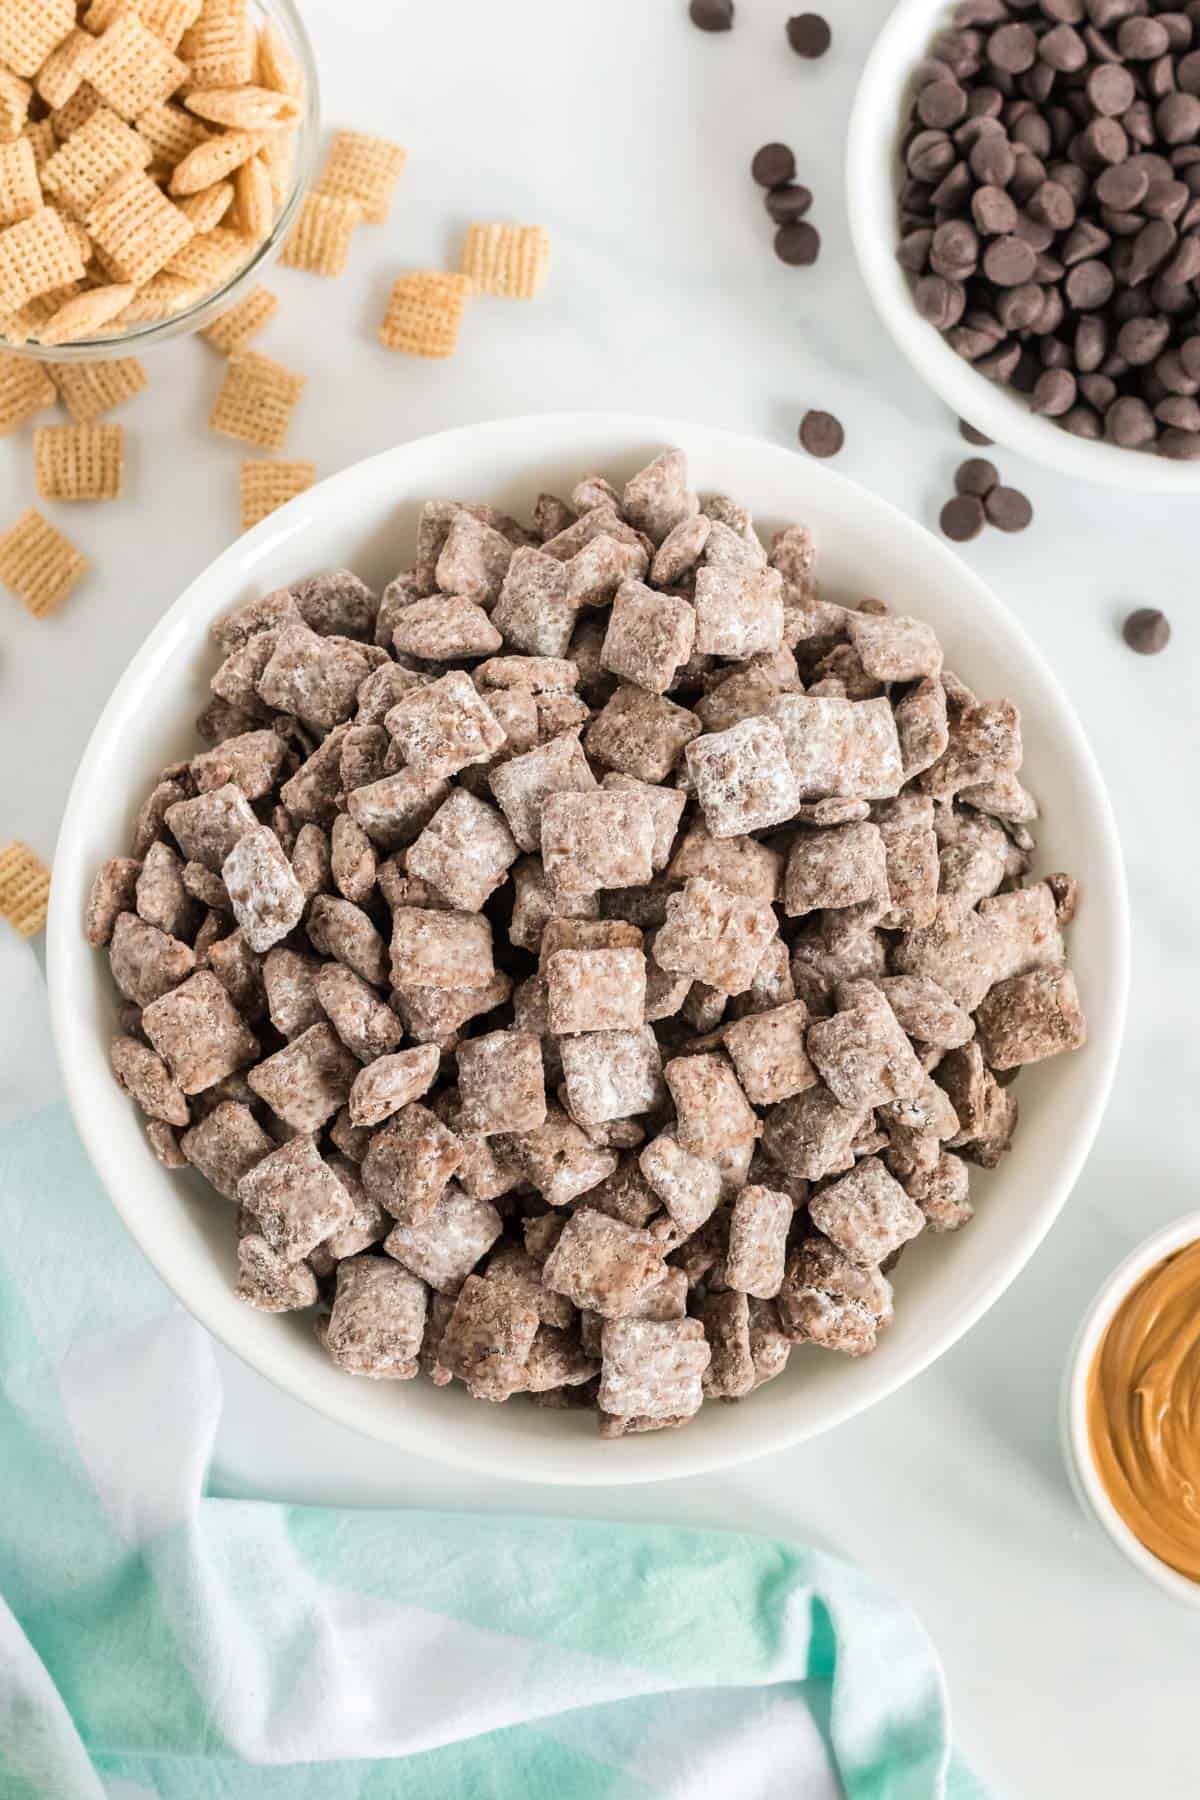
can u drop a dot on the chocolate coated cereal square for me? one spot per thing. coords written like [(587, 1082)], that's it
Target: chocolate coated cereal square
[(377, 1320), (198, 1033), (465, 851), (867, 1213), (649, 636), (826, 1299), (843, 866), (612, 1074), (811, 1135), (558, 1159), (641, 734), (226, 1145), (488, 1339), (713, 1112), (688, 1186), (501, 1082), (296, 1198), (602, 1264), (207, 828), (714, 936), (440, 949), (146, 962), (267, 899), (596, 990), (863, 1055), (523, 784), (652, 1369), (768, 1052), (444, 1245), (445, 727), (758, 1229), (306, 1082), (594, 840), (742, 777), (1029, 1017), (392, 1082)]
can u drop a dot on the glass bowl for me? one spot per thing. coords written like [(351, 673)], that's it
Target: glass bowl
[(285, 15)]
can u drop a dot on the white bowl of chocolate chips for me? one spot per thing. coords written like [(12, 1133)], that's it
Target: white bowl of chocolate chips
[(444, 1161), (1023, 186)]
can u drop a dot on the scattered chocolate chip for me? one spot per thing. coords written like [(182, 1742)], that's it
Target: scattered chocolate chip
[(1147, 631), (798, 244), (773, 165), (821, 434), (1054, 393), (963, 518), (711, 15), (786, 204), (1110, 90), (972, 436), (809, 34), (976, 476), (1012, 49), (1008, 509)]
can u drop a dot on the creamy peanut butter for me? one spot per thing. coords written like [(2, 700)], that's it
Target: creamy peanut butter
[(1144, 1410)]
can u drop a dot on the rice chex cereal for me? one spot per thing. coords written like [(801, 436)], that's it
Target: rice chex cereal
[(25, 388), (233, 329), (24, 889), (256, 400), (363, 168), (79, 462), (320, 239), (91, 389), (266, 486), (509, 260), (424, 313), (38, 563)]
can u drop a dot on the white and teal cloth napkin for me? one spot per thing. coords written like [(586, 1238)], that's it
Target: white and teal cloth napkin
[(157, 1640)]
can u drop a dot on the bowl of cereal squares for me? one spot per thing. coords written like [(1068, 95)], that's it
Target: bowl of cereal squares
[(595, 914), (154, 156)]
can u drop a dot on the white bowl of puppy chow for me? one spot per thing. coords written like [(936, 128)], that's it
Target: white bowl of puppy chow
[(1023, 185), (530, 1005)]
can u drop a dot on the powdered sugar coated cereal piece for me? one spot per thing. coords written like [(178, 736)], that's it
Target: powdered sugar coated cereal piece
[(501, 1082), (251, 760), (597, 839), (394, 810), (867, 1214), (828, 1300), (207, 828), (535, 610), (295, 1197), (863, 1055), (641, 734), (768, 1053), (523, 784), (445, 727), (146, 962), (895, 648), (612, 1074), (198, 1033), (269, 1282), (112, 892), (339, 929), (596, 990), (758, 1231), (146, 1079), (365, 1025), (740, 865), (474, 560), (712, 1111), (739, 601), (840, 747), (558, 1159), (465, 851), (843, 866), (744, 781), (1031, 1016), (649, 636), (377, 1319), (602, 1264), (409, 1163), (714, 936), (440, 949), (656, 499), (392, 1082), (225, 1145), (811, 1135), (446, 1244), (726, 1321), (666, 809), (653, 1369), (689, 1186), (267, 899), (308, 1080)]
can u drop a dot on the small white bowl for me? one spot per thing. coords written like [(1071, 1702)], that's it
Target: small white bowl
[(1073, 1423), (872, 176), (365, 518)]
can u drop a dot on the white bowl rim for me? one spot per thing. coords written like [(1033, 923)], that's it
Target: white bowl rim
[(999, 412), (1081, 1466), (65, 944)]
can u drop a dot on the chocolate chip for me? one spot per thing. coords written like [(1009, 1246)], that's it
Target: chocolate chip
[(962, 518), (994, 211), (1008, 261), (939, 300), (809, 34), (1012, 49), (1129, 422), (786, 204), (1091, 344), (1054, 393), (1123, 187), (1110, 89), (976, 476), (1151, 248), (954, 251), (798, 244), (1082, 422), (1052, 205), (1178, 118), (1187, 73), (1147, 631), (711, 15), (1089, 285), (929, 156), (1180, 411), (1063, 49), (1140, 341), (1180, 446), (1142, 40), (773, 165), (821, 434), (1008, 509), (971, 436), (992, 160)]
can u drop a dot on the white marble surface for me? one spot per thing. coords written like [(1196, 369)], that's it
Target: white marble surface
[(629, 135)]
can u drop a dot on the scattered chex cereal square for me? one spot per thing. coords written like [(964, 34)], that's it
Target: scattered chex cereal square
[(424, 313), (509, 260), (256, 400), (38, 563), (243, 320), (363, 168), (91, 389), (25, 388), (24, 889), (137, 227), (266, 486), (320, 239), (20, 189), (79, 462)]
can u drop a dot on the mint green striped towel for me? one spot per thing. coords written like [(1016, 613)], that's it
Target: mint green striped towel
[(157, 1640)]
